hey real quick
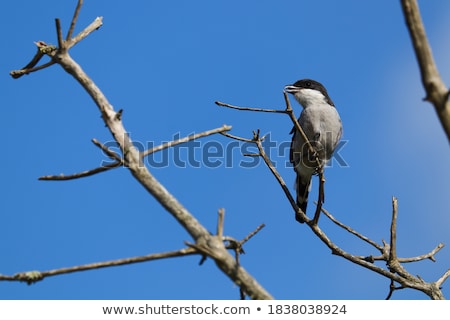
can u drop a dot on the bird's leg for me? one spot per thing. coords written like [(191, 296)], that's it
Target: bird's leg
[(321, 196)]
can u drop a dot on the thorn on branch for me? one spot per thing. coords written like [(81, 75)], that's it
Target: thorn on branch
[(392, 288), (202, 260), (118, 116)]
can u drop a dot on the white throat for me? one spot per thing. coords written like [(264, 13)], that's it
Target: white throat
[(310, 97)]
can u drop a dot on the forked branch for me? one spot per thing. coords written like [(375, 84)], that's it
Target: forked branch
[(118, 161)]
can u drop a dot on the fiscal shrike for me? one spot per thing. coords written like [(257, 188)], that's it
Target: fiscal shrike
[(322, 125)]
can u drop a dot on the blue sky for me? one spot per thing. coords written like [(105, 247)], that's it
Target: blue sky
[(165, 63)]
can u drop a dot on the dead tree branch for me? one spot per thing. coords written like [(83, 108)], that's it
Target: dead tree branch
[(118, 161), (436, 91), (395, 272), (83, 174), (210, 245), (34, 276), (173, 143)]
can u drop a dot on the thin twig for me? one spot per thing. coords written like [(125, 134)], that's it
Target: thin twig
[(34, 276), (251, 234), (429, 255), (74, 20), (173, 143), (352, 231), (42, 49), (393, 241), (236, 137), (220, 222), (222, 104), (18, 73), (442, 279), (83, 174), (59, 34), (97, 23), (392, 288), (30, 65), (109, 152)]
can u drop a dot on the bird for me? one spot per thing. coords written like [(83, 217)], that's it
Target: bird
[(322, 125)]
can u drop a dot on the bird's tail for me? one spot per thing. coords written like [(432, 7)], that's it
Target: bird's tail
[(303, 187)]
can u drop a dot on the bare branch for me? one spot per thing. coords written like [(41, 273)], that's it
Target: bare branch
[(442, 279), (392, 288), (251, 234), (18, 73), (30, 66), (109, 152), (74, 20), (59, 34), (222, 104), (119, 161), (352, 231), (83, 174), (429, 255), (113, 155), (220, 222), (393, 242), (34, 276), (222, 129), (95, 25), (436, 91), (236, 137), (383, 257)]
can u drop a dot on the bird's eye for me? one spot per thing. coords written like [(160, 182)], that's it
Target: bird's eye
[(308, 83)]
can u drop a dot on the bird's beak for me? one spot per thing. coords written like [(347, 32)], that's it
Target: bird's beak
[(291, 89)]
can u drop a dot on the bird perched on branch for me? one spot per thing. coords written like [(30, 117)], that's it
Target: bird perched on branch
[(322, 126)]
